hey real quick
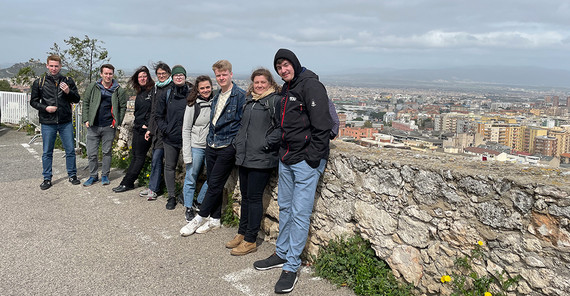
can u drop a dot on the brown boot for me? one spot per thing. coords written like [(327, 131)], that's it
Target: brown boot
[(234, 242), (244, 248)]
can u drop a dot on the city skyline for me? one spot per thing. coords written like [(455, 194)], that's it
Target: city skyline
[(331, 38)]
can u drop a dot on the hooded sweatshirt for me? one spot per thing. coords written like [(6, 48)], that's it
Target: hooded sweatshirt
[(304, 116)]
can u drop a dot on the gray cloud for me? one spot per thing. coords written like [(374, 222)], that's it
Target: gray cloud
[(393, 33)]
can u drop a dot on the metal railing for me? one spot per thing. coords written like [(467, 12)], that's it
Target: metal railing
[(15, 109)]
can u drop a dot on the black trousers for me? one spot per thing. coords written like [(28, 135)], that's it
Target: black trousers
[(219, 165), (171, 155), (252, 184), (138, 157)]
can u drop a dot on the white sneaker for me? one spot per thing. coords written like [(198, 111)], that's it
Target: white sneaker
[(211, 224), (145, 192), (191, 227)]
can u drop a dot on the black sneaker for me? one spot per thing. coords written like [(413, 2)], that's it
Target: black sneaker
[(171, 203), (286, 282), (46, 184), (190, 214), (272, 261), (73, 180)]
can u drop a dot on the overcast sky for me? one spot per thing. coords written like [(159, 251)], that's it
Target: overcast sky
[(328, 36)]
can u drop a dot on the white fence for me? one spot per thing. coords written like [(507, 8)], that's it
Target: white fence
[(16, 109)]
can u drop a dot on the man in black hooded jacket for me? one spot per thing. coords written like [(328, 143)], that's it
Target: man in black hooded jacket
[(306, 126), (52, 95)]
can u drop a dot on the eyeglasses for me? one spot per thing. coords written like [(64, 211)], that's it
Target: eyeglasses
[(178, 76), (161, 74)]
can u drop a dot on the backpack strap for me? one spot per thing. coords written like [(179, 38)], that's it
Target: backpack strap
[(41, 83), (196, 112)]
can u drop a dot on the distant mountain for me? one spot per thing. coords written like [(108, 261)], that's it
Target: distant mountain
[(39, 68), (499, 75)]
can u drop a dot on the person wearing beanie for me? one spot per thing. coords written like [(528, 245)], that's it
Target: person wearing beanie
[(178, 70), (305, 131), (169, 118)]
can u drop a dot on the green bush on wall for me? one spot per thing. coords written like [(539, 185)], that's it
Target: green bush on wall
[(352, 262)]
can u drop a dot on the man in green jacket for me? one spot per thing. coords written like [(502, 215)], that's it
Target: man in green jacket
[(104, 107)]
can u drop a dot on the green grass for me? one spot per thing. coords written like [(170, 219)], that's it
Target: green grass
[(352, 262)]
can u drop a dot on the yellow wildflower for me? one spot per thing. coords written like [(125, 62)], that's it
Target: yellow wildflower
[(123, 158), (445, 278), (488, 294), (147, 175), (481, 244)]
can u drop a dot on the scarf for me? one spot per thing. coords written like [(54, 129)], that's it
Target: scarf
[(166, 82), (256, 97)]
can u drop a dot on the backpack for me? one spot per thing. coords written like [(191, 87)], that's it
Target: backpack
[(336, 121)]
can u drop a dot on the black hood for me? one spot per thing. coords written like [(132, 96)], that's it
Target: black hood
[(291, 57)]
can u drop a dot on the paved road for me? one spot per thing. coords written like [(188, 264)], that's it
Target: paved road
[(72, 240)]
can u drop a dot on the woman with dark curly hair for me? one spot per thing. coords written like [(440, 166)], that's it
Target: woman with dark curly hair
[(142, 83)]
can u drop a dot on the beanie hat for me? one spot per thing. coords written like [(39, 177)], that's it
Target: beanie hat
[(178, 70)]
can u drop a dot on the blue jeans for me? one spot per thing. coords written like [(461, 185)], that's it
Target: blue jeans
[(156, 169), (296, 196), (202, 193), (192, 171), (49, 134)]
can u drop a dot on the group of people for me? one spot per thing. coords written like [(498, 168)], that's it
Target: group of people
[(265, 127)]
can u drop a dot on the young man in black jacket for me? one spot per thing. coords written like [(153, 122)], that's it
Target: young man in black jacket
[(52, 96), (306, 125)]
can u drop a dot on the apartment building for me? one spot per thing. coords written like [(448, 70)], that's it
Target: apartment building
[(545, 145)]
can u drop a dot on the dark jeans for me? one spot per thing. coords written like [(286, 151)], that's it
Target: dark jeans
[(219, 165), (171, 154), (157, 163), (252, 183), (138, 157)]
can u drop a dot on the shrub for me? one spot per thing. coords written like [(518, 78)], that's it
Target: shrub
[(229, 218), (352, 262)]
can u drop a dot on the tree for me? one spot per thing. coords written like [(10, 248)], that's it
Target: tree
[(26, 75), (377, 115), (367, 124), (5, 86), (82, 58)]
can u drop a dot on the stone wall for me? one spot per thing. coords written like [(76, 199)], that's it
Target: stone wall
[(421, 211)]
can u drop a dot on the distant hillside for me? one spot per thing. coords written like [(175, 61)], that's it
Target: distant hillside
[(462, 76), (39, 68)]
